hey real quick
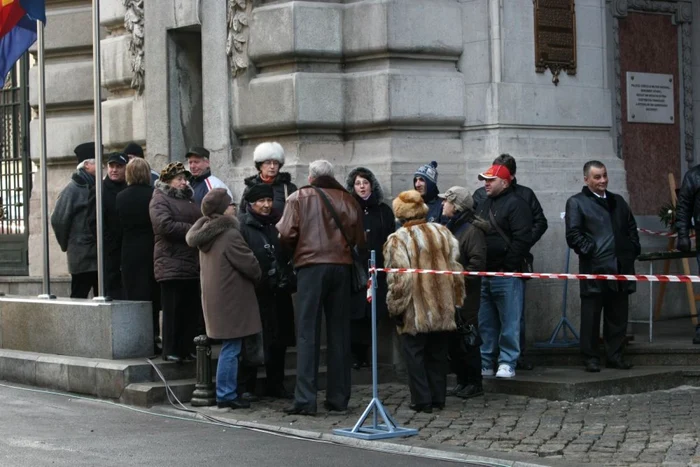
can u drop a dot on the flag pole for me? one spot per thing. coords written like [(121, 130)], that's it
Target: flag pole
[(46, 280), (97, 84)]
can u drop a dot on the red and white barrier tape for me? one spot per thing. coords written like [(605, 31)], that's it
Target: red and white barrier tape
[(661, 234), (546, 275)]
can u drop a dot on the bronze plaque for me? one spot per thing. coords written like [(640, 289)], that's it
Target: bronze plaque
[(555, 37)]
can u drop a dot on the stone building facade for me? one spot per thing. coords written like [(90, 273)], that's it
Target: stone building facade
[(388, 84)]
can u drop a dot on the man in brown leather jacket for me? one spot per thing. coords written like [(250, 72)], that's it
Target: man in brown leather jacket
[(323, 260)]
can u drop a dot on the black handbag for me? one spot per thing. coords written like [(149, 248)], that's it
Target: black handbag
[(468, 332), (252, 350), (526, 264), (358, 273)]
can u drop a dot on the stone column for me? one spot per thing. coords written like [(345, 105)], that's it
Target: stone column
[(69, 101)]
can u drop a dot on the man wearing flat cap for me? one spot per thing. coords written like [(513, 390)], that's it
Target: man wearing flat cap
[(69, 220), (112, 184), (134, 150), (507, 246), (202, 181)]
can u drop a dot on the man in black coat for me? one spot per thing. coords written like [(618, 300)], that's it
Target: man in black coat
[(539, 227), (688, 213), (601, 229), (112, 184), (507, 246)]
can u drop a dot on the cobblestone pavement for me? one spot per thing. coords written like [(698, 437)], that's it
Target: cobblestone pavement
[(656, 428)]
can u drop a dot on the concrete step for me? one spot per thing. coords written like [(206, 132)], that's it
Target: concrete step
[(637, 353)]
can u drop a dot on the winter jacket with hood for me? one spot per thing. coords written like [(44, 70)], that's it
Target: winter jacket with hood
[(70, 223), (423, 303), (172, 213), (229, 272), (603, 232), (378, 224), (282, 187)]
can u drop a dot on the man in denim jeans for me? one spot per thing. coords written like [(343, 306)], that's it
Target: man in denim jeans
[(507, 245)]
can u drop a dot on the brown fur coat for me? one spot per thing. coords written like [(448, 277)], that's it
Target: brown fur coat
[(423, 302)]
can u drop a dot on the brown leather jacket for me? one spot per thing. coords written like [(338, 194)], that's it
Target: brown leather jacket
[(308, 228)]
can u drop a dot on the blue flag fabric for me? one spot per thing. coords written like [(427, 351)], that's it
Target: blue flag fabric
[(36, 9), (15, 43)]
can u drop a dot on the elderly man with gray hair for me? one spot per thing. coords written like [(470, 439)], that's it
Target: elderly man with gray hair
[(322, 223)]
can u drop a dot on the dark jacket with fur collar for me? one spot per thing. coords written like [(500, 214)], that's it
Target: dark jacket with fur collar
[(229, 272), (308, 228), (172, 214), (282, 187)]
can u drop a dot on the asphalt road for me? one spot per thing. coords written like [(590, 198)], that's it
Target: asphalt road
[(38, 429)]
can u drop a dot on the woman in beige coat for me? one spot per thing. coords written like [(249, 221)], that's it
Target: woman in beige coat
[(229, 272)]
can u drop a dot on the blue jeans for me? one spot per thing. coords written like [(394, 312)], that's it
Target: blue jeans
[(499, 320), (227, 370)]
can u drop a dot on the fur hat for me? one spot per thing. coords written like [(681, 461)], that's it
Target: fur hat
[(215, 202), (172, 170), (409, 205), (268, 152), (259, 191), (85, 151), (428, 172), (133, 149)]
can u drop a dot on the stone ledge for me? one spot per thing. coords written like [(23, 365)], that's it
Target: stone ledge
[(67, 83), (80, 328), (123, 120), (116, 67)]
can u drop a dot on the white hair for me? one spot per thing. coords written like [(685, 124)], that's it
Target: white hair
[(320, 168), (82, 164)]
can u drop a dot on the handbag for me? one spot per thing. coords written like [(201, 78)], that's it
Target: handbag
[(468, 332), (525, 265), (252, 350), (358, 273)]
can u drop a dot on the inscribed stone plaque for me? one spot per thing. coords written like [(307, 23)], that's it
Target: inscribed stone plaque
[(650, 98), (555, 37)]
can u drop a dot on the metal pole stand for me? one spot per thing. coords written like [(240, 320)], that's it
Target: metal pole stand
[(204, 394), (377, 430), (564, 322)]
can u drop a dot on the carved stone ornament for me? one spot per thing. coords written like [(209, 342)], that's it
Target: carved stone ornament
[(555, 37), (133, 22), (237, 41), (682, 11)]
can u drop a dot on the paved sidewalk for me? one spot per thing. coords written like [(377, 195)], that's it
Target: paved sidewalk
[(656, 428)]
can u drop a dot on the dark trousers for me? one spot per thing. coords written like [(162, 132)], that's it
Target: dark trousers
[(360, 339), (426, 358), (465, 362), (80, 284), (323, 287), (274, 371), (614, 306), (113, 285), (182, 312)]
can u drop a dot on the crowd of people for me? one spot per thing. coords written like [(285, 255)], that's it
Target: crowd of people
[(176, 238)]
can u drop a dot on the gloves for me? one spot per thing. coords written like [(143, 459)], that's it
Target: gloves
[(684, 243)]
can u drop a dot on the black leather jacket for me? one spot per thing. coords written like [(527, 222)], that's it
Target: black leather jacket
[(603, 232), (688, 202)]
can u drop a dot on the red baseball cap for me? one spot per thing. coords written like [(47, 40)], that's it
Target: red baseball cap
[(496, 171)]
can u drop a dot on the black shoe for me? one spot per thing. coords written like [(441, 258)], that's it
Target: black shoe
[(592, 366), (249, 397), (172, 358), (234, 404), (471, 390), (438, 405), (524, 365), (425, 408), (618, 364), (455, 390), (279, 393), (336, 410), (356, 366), (696, 339), (189, 358), (299, 410)]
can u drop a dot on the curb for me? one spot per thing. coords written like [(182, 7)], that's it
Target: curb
[(380, 446)]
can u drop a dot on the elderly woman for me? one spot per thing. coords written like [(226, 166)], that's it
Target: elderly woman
[(378, 223), (229, 274), (137, 239), (176, 264), (269, 159)]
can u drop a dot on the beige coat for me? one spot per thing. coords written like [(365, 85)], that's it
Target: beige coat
[(423, 303), (229, 272)]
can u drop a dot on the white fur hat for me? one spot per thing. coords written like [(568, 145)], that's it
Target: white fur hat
[(268, 151)]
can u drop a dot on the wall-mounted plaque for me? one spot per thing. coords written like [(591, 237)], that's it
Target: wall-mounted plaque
[(650, 98), (555, 37)]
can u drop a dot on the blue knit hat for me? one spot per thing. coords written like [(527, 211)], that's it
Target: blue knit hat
[(428, 172)]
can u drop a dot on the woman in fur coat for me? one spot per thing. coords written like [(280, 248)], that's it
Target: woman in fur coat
[(378, 223), (423, 305)]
